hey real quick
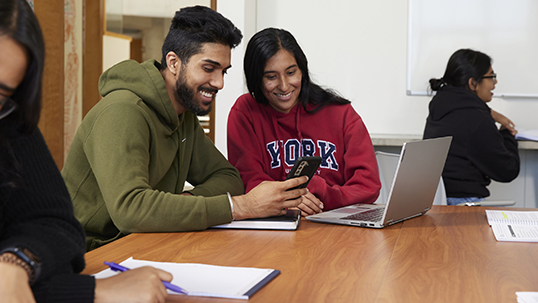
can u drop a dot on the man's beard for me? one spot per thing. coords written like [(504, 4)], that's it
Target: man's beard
[(185, 95)]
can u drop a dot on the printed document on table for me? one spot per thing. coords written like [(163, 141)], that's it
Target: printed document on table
[(515, 233), (207, 280), (512, 217), (527, 296), (530, 135)]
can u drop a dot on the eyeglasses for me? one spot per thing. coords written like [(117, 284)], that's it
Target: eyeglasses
[(7, 106), (493, 77)]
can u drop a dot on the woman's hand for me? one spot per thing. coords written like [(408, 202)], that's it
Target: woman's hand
[(311, 205), (139, 285), (504, 121), (14, 286)]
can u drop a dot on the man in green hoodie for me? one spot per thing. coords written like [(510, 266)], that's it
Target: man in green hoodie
[(132, 154)]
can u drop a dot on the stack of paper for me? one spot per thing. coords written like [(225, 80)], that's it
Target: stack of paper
[(207, 280), (515, 226), (527, 297), (531, 135)]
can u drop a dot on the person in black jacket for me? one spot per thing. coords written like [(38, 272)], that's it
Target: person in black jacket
[(41, 242), (479, 151)]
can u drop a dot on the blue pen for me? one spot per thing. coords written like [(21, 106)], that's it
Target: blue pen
[(168, 285)]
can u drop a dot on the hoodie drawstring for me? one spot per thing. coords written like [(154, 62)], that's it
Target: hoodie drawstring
[(280, 142)]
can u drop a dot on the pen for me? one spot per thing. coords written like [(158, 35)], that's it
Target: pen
[(168, 285)]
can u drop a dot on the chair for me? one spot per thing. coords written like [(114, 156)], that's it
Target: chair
[(387, 163)]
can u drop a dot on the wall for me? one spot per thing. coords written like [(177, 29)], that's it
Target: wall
[(242, 13), (153, 38), (358, 47), (499, 28), (115, 49), (157, 8)]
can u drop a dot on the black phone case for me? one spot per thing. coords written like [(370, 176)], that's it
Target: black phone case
[(304, 166)]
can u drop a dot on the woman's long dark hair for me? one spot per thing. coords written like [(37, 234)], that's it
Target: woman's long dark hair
[(18, 21), (264, 45), (463, 65)]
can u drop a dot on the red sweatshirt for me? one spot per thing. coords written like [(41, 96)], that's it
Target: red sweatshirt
[(263, 144)]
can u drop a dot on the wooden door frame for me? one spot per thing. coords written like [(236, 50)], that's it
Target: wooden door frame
[(50, 14), (211, 134), (92, 59)]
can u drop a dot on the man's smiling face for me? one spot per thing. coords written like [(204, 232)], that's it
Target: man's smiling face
[(200, 79)]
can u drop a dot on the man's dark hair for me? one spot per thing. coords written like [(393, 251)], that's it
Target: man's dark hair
[(194, 26)]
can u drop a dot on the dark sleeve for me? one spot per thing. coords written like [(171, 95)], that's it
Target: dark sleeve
[(494, 152), (69, 288), (39, 215)]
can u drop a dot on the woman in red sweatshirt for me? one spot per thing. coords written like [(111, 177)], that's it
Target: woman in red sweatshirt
[(285, 116)]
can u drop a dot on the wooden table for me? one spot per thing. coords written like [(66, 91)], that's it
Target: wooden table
[(447, 255)]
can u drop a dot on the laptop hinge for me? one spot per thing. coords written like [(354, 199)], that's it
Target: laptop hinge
[(403, 219)]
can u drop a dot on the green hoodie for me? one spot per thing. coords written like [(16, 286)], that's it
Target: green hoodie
[(132, 155)]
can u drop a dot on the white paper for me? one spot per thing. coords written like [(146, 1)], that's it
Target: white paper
[(201, 279), (527, 297), (512, 217), (523, 134), (515, 233)]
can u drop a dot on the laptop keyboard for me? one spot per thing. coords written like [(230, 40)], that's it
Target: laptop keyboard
[(372, 215)]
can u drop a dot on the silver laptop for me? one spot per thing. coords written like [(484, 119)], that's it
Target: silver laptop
[(412, 192)]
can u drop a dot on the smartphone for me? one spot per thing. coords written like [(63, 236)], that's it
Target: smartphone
[(304, 166)]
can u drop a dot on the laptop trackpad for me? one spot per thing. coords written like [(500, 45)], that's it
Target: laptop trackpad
[(350, 210)]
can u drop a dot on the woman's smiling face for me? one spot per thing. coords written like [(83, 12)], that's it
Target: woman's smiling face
[(484, 88), (13, 65), (282, 81)]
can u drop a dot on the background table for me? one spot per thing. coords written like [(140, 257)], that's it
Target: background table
[(447, 255)]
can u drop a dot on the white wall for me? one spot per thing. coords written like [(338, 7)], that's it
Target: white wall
[(115, 49), (358, 47), (502, 29), (150, 8), (242, 13)]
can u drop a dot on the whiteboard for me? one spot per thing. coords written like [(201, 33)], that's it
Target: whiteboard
[(505, 30)]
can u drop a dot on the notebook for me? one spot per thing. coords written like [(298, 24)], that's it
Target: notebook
[(203, 280), (412, 191), (289, 221)]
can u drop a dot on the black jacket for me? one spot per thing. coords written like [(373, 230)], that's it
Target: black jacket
[(479, 151), (37, 213)]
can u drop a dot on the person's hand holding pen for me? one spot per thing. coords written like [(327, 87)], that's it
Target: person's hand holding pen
[(144, 284)]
